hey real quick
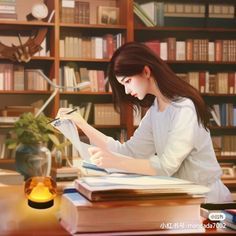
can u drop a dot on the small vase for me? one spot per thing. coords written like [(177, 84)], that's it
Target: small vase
[(33, 160)]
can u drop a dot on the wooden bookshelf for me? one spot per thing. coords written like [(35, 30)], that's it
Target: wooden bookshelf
[(131, 29), (201, 28), (52, 62)]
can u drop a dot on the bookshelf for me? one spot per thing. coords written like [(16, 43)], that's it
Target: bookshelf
[(129, 27), (171, 29), (53, 61)]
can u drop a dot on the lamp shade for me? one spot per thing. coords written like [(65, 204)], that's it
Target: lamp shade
[(40, 191)]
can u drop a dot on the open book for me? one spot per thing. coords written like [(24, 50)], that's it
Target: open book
[(108, 188), (69, 130)]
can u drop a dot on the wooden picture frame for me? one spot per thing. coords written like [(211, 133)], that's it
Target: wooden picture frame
[(108, 15)]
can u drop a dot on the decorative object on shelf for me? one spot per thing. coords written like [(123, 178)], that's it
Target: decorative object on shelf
[(24, 52), (30, 136), (40, 192), (108, 15), (39, 11)]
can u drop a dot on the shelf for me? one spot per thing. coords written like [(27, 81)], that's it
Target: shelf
[(226, 158), (230, 183), (184, 29), (43, 58), (27, 23), (222, 127), (25, 92), (218, 95), (92, 60), (93, 26), (87, 93), (201, 62)]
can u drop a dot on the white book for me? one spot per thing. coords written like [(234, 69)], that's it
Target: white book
[(163, 51), (180, 51), (62, 47), (211, 51), (151, 10), (98, 47)]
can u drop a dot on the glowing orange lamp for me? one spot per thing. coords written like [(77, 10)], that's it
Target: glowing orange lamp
[(40, 191)]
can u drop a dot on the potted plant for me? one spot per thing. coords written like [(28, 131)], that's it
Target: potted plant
[(30, 137)]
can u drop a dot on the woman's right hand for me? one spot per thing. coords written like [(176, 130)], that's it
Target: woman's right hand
[(74, 116)]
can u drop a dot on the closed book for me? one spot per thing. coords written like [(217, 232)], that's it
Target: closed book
[(208, 208), (154, 45), (230, 215), (79, 215), (108, 188), (10, 177)]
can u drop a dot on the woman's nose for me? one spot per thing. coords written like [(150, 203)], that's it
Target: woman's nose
[(127, 90)]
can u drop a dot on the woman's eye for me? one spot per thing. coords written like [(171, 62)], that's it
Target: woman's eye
[(127, 81)]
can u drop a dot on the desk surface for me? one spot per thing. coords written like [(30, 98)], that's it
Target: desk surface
[(17, 218)]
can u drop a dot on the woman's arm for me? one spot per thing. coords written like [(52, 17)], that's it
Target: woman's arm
[(106, 159)]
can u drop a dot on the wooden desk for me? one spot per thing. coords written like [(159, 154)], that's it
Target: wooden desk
[(17, 218)]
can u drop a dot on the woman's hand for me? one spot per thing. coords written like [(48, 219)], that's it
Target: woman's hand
[(104, 159), (74, 116)]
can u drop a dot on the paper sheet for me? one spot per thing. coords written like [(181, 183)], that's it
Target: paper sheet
[(69, 130)]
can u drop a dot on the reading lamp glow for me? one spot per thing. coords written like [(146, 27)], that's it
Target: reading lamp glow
[(40, 192)]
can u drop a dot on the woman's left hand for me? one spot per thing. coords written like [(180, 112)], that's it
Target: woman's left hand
[(103, 158)]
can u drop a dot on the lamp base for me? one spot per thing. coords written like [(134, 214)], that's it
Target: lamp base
[(40, 205)]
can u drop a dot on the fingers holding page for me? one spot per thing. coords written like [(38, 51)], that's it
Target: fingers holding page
[(62, 111), (102, 158), (95, 155)]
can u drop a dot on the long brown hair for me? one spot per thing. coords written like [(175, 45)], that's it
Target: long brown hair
[(130, 59)]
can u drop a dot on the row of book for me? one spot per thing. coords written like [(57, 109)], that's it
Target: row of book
[(194, 49), (219, 83), (103, 113), (224, 114), (75, 11), (220, 215), (224, 145), (70, 77), (90, 47), (154, 13), (8, 10), (17, 78), (88, 12)]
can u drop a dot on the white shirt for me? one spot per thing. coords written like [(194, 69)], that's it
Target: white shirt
[(177, 146)]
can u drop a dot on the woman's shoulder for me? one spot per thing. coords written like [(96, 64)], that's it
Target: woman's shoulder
[(183, 103)]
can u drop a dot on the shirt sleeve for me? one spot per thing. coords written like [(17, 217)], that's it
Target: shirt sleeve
[(180, 142), (140, 145)]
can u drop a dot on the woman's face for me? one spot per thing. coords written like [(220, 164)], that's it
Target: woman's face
[(136, 85)]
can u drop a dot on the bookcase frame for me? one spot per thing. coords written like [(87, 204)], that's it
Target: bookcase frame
[(132, 30)]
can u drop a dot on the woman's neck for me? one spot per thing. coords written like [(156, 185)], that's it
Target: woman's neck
[(162, 101)]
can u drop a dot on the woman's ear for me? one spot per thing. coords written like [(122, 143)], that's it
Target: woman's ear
[(147, 72)]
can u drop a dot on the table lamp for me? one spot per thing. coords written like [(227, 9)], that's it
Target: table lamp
[(56, 89), (40, 191)]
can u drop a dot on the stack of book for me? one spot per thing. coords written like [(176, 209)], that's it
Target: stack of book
[(219, 215), (65, 173), (10, 177), (8, 10), (230, 218), (124, 203)]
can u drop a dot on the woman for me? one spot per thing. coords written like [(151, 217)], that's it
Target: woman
[(172, 138)]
